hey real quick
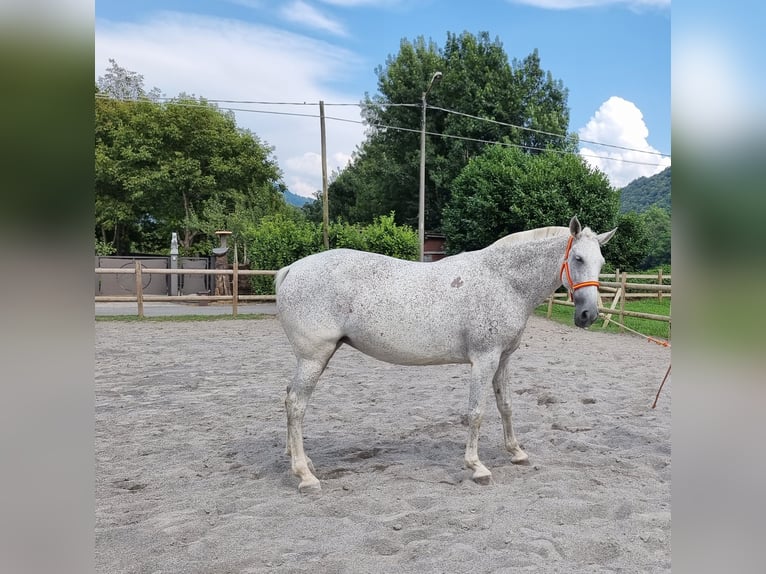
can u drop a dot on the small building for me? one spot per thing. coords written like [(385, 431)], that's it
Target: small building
[(433, 246)]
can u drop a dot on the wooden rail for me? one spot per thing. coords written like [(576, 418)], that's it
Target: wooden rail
[(638, 314), (139, 298), (619, 291), (616, 290), (131, 270)]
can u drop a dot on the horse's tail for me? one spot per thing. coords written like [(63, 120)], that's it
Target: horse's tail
[(279, 277)]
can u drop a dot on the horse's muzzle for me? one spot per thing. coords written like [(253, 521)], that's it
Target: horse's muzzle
[(584, 317)]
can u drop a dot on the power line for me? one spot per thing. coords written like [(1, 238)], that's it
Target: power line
[(521, 146), (543, 132), (194, 104), (202, 103)]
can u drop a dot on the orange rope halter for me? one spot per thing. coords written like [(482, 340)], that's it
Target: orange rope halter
[(572, 287)]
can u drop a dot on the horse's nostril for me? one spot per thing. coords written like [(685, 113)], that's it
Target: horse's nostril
[(586, 317)]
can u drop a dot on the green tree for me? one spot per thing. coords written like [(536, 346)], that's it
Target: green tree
[(477, 80), (658, 231), (627, 250), (179, 166), (118, 196), (505, 190), (124, 85)]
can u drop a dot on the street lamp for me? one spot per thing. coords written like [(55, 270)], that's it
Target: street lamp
[(422, 205)]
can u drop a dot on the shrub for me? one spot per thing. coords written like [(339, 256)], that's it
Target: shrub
[(385, 237), (104, 248), (278, 241)]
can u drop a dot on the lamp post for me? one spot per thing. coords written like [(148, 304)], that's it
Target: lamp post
[(422, 205)]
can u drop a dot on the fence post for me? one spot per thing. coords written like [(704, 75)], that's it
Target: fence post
[(659, 282), (235, 285), (615, 299), (139, 290), (622, 301)]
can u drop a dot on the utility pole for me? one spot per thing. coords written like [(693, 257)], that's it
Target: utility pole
[(325, 204), (422, 200)]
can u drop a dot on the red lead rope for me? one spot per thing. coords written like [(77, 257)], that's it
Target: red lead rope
[(572, 287)]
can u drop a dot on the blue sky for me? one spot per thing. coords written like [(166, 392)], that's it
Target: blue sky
[(612, 55)]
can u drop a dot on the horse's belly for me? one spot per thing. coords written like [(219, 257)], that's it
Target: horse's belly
[(404, 349)]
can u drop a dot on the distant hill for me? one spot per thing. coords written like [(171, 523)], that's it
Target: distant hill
[(643, 192), (296, 200)]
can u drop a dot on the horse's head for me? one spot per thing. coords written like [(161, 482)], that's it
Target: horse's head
[(580, 270)]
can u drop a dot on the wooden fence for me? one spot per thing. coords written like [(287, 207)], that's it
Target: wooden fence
[(139, 298), (618, 290)]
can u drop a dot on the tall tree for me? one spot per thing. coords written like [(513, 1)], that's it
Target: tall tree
[(658, 232), (628, 248), (477, 80), (178, 166), (122, 84), (505, 190)]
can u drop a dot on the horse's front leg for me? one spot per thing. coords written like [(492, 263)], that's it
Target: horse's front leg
[(502, 387), (483, 370)]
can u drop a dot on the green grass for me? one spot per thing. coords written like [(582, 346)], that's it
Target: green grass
[(658, 329), (179, 318)]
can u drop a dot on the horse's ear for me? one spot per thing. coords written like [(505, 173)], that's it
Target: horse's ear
[(574, 226), (604, 237)]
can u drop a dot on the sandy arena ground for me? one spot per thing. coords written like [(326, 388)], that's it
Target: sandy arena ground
[(191, 474)]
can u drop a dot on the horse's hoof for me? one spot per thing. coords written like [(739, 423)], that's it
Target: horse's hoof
[(310, 487), (483, 480), (520, 458)]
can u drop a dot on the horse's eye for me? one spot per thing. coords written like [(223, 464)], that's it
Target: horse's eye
[(578, 258)]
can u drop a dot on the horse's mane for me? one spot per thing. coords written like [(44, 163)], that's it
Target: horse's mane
[(539, 233), (530, 234)]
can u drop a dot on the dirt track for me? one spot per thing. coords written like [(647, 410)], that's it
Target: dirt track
[(191, 475)]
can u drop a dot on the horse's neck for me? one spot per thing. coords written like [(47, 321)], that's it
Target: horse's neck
[(530, 267)]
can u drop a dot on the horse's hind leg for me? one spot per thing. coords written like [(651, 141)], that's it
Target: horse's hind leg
[(299, 391), (502, 387)]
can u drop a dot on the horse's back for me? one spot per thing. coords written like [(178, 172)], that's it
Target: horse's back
[(331, 275)]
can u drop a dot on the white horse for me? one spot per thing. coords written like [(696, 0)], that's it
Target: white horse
[(467, 308)]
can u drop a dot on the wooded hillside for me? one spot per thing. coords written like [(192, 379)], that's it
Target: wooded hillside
[(644, 192)]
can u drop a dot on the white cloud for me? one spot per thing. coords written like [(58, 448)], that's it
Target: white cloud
[(341, 160), (304, 14), (308, 163), (575, 4), (254, 4), (233, 60), (619, 122), (357, 3), (303, 187), (304, 168)]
